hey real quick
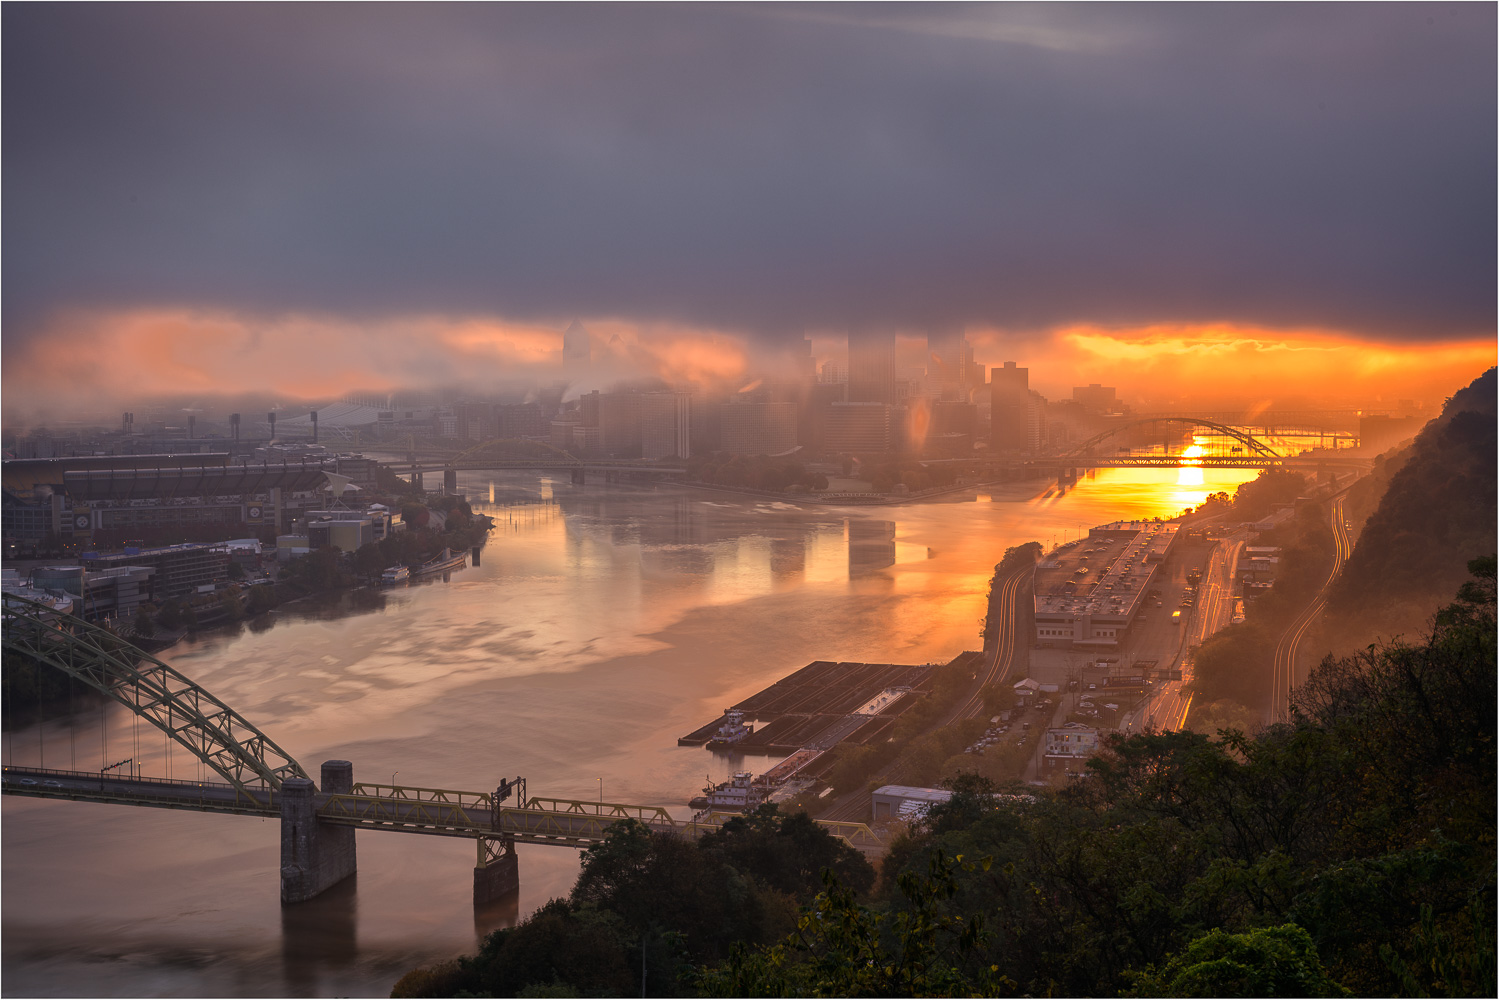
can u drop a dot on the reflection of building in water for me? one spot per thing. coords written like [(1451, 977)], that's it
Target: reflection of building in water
[(788, 556), (871, 546), (682, 560)]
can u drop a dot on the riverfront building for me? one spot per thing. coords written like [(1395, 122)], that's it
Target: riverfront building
[(1088, 593), (177, 570)]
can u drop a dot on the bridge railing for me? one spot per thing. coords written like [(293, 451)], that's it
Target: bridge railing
[(114, 776), (414, 793), (409, 812), (612, 811)]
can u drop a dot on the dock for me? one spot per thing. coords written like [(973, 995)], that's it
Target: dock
[(824, 704)]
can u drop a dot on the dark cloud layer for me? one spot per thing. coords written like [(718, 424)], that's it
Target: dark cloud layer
[(759, 168)]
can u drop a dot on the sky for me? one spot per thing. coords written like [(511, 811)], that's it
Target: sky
[(311, 199)]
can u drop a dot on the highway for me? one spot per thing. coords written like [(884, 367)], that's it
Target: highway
[(1283, 676), (1212, 611)]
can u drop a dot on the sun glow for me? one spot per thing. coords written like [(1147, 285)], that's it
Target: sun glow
[(1191, 470)]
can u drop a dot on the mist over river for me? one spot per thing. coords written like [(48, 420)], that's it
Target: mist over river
[(603, 623)]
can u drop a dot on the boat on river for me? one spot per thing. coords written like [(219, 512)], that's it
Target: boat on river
[(738, 794), (394, 576), (441, 564), (730, 731)]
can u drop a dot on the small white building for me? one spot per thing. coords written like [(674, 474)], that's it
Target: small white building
[(1066, 749), (891, 800)]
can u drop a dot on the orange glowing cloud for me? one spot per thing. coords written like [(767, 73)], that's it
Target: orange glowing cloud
[(85, 358), (1255, 365)]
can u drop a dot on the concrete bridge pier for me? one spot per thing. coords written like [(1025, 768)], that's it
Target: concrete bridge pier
[(579, 477), (450, 481), (315, 856), (498, 872)]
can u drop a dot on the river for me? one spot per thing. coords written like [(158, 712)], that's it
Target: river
[(603, 623)]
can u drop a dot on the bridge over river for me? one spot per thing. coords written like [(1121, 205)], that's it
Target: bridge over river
[(318, 819)]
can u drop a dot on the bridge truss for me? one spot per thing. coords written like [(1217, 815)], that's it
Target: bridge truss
[(1248, 441), (213, 732)]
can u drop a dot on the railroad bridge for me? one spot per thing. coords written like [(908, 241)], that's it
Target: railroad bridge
[(258, 778)]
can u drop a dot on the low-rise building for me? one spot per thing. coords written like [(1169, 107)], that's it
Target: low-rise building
[(1068, 748), (891, 802), (178, 570), (110, 592)]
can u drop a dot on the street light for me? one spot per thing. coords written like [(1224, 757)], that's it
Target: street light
[(601, 791), (393, 780)]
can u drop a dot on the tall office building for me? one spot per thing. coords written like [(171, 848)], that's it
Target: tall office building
[(577, 349), (665, 424), (858, 428), (871, 366), (757, 428), (1010, 409), (949, 359)]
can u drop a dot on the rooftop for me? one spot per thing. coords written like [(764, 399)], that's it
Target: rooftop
[(1104, 575)]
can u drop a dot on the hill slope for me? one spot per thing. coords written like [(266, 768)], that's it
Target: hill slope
[(1437, 513)]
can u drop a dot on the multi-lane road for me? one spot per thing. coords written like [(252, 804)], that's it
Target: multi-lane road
[(1213, 609), (1284, 675)]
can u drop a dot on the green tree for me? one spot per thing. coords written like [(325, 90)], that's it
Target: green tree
[(788, 852), (369, 560), (841, 948), (1264, 962)]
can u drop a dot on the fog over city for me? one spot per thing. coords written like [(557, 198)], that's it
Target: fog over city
[(748, 499), (220, 198)]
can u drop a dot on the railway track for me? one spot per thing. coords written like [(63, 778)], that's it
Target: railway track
[(855, 805), (1283, 675)]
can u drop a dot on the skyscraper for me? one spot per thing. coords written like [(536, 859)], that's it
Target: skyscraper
[(577, 349), (871, 366), (949, 358), (1010, 406)]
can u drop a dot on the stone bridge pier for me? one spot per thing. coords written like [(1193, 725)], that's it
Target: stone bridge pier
[(498, 872), (315, 855)]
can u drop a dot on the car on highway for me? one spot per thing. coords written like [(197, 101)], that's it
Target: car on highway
[(52, 784), (28, 781)]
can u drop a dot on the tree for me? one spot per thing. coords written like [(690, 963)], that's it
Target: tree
[(369, 560), (1265, 962), (788, 852), (840, 948), (143, 623)]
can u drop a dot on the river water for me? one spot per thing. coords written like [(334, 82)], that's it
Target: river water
[(603, 623)]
